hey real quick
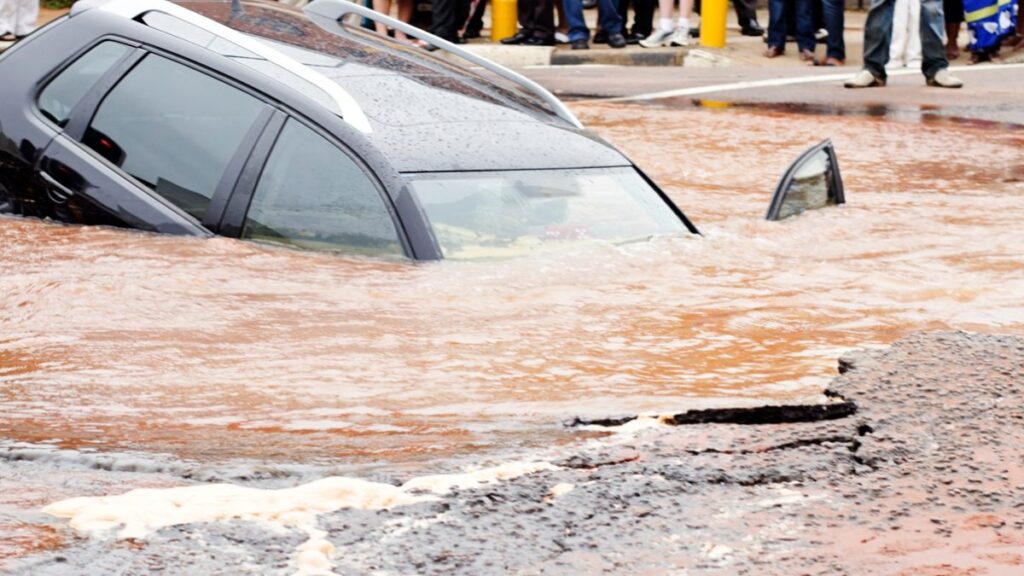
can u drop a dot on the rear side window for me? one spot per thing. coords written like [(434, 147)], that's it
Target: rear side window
[(174, 129), (61, 95), (312, 195)]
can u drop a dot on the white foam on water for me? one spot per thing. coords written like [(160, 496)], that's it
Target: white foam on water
[(139, 513)]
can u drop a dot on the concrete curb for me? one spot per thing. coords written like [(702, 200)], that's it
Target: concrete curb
[(523, 56)]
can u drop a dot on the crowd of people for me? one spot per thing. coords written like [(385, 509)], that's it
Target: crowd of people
[(898, 33)]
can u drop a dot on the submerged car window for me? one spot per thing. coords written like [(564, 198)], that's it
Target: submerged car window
[(61, 95), (312, 195), (498, 214), (174, 129)]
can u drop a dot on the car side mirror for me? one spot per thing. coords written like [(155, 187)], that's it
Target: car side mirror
[(812, 181)]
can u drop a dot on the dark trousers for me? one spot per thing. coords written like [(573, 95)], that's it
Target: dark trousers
[(476, 19), (643, 20), (777, 11), (834, 23), (449, 16), (746, 10), (537, 18), (878, 36)]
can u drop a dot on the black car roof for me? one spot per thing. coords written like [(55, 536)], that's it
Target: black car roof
[(425, 114)]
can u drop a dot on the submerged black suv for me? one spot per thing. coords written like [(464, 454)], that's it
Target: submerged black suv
[(255, 120)]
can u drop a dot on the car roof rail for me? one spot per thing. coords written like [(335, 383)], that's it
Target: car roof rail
[(325, 12), (345, 105)]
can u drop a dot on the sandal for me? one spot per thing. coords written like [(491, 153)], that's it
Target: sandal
[(9, 37)]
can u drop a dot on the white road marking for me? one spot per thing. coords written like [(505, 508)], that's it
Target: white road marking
[(788, 82)]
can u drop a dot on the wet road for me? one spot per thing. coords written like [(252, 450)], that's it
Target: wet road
[(165, 359)]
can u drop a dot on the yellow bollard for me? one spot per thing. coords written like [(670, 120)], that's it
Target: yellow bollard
[(712, 23), (504, 19)]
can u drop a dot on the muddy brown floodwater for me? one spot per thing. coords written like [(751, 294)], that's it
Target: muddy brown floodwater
[(223, 352)]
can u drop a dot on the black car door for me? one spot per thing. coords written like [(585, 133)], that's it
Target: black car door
[(155, 144)]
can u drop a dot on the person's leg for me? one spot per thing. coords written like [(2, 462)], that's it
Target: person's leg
[(835, 24), (662, 33), (445, 23), (900, 32), (544, 20), (622, 7), (578, 30), (953, 12), (777, 24), (476, 20), (804, 26), (643, 18), (914, 33), (525, 12), (28, 14), (877, 35), (382, 6), (608, 17), (932, 50)]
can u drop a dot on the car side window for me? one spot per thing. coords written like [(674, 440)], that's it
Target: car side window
[(313, 195), (60, 96), (174, 129)]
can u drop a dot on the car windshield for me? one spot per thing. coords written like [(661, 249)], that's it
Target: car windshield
[(510, 213)]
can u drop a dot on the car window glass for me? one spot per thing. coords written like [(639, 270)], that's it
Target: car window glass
[(174, 129), (312, 195), (61, 95), (811, 182)]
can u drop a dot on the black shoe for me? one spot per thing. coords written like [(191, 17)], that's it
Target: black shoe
[(534, 41), (580, 45), (518, 38), (694, 32), (616, 41), (471, 34), (458, 40), (751, 28), (600, 37), (635, 37)]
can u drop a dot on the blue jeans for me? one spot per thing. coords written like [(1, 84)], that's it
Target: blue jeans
[(832, 14), (607, 16), (804, 23), (878, 36)]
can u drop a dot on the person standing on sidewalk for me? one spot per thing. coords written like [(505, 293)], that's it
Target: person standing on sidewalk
[(878, 36), (536, 23), (778, 12), (989, 22), (608, 19), (905, 50), (834, 20), (668, 33), (17, 18)]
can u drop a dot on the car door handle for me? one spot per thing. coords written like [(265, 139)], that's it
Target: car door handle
[(57, 192)]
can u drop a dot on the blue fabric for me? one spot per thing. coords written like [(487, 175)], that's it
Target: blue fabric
[(608, 18), (878, 36), (804, 23), (988, 23), (832, 14)]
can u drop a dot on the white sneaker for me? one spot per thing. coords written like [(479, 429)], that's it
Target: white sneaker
[(561, 38), (914, 64), (864, 79), (943, 79), (681, 37), (658, 38)]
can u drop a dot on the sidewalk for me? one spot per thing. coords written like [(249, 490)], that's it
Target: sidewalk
[(739, 50)]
